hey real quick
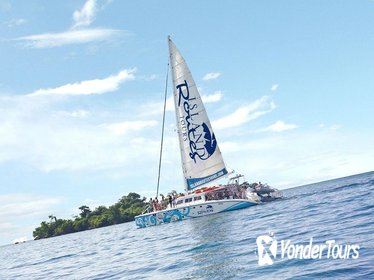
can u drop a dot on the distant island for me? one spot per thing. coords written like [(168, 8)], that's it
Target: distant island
[(121, 212)]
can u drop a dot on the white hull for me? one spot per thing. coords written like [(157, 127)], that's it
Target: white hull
[(191, 211)]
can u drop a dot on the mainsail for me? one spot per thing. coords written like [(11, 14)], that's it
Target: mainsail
[(201, 158)]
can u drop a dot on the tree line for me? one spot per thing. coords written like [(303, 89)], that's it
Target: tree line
[(121, 212)]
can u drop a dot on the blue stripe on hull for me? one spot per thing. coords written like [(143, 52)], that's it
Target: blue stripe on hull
[(168, 216), (239, 205), (174, 215)]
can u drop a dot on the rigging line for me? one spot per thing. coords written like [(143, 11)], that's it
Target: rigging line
[(163, 125)]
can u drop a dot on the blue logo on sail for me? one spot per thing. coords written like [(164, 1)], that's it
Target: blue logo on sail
[(210, 140), (202, 142)]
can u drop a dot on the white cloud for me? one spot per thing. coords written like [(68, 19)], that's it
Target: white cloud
[(152, 77), (76, 114), (86, 15), (211, 76), (278, 126), (22, 205), (299, 158), (83, 36), (245, 113), (330, 127), (212, 98), (15, 22), (96, 86), (274, 87), (148, 78), (18, 208), (77, 34), (32, 132), (335, 127), (126, 126)]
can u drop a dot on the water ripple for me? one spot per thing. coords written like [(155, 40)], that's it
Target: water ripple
[(221, 246)]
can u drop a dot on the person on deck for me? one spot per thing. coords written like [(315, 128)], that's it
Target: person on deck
[(242, 193), (156, 204), (151, 207), (174, 201), (226, 194)]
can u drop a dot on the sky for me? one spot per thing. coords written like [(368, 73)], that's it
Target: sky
[(288, 86)]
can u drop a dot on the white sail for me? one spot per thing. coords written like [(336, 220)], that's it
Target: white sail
[(201, 158)]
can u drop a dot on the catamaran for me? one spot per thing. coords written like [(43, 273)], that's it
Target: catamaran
[(202, 161)]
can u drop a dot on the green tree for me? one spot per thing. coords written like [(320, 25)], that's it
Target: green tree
[(52, 218), (123, 211), (85, 211), (80, 224)]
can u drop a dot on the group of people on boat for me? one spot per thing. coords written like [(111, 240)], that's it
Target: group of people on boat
[(227, 193), (230, 191), (170, 201)]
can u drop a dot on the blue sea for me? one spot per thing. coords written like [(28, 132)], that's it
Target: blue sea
[(221, 246)]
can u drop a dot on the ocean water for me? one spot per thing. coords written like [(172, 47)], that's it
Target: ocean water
[(221, 246)]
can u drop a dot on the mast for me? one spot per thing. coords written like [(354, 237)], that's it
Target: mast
[(171, 47), (163, 128)]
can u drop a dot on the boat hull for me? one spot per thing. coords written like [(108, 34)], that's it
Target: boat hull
[(191, 211)]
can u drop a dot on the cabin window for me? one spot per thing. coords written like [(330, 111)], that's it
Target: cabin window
[(179, 202), (197, 198), (188, 200)]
